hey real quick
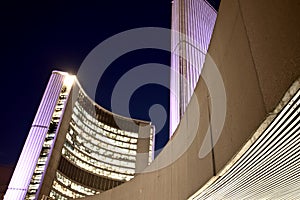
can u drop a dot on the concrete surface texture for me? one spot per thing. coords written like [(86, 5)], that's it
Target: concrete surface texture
[(255, 46)]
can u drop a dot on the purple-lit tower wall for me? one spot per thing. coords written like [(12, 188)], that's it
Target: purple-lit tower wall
[(27, 162), (76, 148), (192, 25)]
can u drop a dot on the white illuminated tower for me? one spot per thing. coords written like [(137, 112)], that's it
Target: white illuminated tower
[(77, 148), (192, 26)]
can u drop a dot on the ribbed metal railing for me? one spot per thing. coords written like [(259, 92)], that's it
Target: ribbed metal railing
[(270, 167)]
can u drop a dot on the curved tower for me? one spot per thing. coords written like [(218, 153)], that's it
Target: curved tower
[(77, 148), (192, 27)]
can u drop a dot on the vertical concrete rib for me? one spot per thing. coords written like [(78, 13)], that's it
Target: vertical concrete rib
[(192, 24)]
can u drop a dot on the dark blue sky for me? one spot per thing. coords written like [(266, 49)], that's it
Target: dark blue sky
[(40, 37)]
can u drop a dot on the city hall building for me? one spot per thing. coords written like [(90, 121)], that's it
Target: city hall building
[(77, 148)]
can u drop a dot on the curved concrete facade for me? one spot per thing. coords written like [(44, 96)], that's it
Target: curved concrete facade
[(255, 46), (77, 148), (100, 150)]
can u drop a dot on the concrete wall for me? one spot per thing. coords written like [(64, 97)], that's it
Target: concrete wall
[(56, 152), (255, 45)]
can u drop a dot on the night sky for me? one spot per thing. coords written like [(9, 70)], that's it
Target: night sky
[(40, 37)]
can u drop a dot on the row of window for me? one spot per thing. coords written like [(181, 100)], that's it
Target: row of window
[(113, 165), (99, 153), (93, 169), (74, 186), (104, 132), (90, 142), (114, 160), (55, 195), (104, 126), (67, 192), (151, 147), (86, 178), (84, 118), (103, 135)]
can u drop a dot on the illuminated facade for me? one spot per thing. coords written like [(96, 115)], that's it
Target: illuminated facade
[(76, 148), (192, 25)]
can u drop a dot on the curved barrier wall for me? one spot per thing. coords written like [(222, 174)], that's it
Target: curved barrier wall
[(267, 167), (255, 46)]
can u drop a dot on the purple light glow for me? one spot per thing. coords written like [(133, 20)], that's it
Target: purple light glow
[(24, 170), (192, 22)]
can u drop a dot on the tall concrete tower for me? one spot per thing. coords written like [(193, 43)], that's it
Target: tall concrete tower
[(192, 26), (76, 148)]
